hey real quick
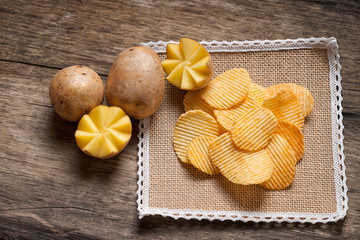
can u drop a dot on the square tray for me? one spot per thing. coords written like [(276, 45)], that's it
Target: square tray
[(318, 193)]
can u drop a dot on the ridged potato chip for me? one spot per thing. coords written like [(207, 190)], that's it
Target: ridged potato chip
[(305, 98), (198, 155), (258, 92), (254, 129), (190, 125), (284, 160), (285, 105), (238, 166), (293, 135), (193, 101), (226, 118), (228, 89)]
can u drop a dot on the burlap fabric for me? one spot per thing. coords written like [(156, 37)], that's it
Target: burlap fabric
[(174, 185)]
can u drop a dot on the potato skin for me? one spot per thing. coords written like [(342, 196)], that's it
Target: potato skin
[(136, 82), (74, 91)]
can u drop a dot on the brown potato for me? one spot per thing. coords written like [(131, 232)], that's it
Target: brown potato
[(136, 82), (74, 91)]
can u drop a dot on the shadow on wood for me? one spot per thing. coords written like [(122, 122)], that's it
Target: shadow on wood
[(159, 224), (84, 165)]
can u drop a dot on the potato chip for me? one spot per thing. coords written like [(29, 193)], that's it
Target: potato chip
[(254, 129), (238, 166), (228, 89), (305, 98), (198, 155), (190, 125), (226, 118), (258, 92), (293, 135), (284, 160), (193, 101), (285, 105)]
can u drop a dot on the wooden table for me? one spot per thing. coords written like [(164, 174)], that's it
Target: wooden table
[(50, 190)]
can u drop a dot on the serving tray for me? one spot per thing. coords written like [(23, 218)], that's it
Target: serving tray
[(318, 193)]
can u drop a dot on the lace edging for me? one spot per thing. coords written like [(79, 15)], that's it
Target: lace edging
[(337, 140)]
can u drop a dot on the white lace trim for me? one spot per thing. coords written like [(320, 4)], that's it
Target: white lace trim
[(337, 140)]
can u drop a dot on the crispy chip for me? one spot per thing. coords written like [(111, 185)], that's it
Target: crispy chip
[(284, 160), (238, 166), (293, 135), (193, 101), (253, 130), (198, 155), (305, 98), (226, 118), (258, 92), (228, 89), (285, 105), (192, 124)]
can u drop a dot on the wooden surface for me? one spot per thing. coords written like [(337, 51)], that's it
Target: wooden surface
[(50, 190)]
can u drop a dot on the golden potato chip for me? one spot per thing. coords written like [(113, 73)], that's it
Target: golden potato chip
[(284, 160), (285, 105), (190, 125), (254, 129), (305, 98), (193, 101), (228, 89), (198, 155), (238, 166), (293, 135), (226, 118), (258, 92)]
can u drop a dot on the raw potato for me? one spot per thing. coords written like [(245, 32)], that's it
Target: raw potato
[(74, 91), (136, 82), (104, 132), (188, 65)]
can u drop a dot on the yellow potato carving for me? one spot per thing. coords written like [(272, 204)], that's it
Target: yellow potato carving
[(188, 65), (104, 132)]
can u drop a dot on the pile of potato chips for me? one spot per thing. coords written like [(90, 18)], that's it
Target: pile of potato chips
[(249, 134)]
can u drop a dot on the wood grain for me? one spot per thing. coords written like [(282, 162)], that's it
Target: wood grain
[(50, 190)]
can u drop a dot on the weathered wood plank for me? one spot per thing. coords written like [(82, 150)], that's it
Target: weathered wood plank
[(92, 34), (50, 190)]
